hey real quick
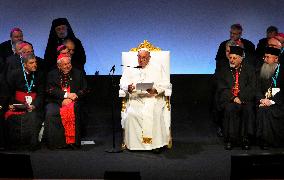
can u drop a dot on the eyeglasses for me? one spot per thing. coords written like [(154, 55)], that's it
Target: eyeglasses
[(143, 58)]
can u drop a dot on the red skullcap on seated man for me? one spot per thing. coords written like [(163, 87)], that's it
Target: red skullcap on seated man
[(281, 35), (60, 56), (23, 45)]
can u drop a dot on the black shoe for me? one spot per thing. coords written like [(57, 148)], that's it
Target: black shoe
[(63, 147), (74, 146), (264, 146), (245, 145), (219, 132), (157, 151), (228, 146), (35, 147)]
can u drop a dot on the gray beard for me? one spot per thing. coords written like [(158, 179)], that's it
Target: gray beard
[(267, 70)]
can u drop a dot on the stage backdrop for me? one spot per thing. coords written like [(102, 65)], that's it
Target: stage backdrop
[(191, 29)]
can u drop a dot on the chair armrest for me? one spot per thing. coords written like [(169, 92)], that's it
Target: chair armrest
[(168, 92), (121, 93)]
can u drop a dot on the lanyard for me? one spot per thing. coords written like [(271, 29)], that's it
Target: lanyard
[(274, 78), (29, 87)]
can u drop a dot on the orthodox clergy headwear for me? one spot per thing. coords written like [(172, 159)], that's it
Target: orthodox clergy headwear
[(58, 22), (236, 50), (272, 51)]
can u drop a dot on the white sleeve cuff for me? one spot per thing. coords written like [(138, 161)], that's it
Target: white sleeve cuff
[(65, 95), (272, 102)]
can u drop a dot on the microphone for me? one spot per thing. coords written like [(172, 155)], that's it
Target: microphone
[(112, 69), (132, 66)]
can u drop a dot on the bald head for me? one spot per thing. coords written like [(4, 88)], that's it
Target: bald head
[(273, 42)]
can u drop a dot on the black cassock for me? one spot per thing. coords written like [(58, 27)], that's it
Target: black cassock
[(238, 121), (6, 49), (54, 129), (50, 56), (249, 49), (270, 120), (24, 129), (4, 94)]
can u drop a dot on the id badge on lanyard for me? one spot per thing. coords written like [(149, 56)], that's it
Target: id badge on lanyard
[(275, 90)]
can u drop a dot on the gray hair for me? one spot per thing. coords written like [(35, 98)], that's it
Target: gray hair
[(25, 59), (267, 70), (59, 60)]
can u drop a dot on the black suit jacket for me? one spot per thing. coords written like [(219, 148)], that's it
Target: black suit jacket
[(4, 91), (6, 49)]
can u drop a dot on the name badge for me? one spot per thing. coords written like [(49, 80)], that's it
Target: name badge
[(29, 100), (275, 90)]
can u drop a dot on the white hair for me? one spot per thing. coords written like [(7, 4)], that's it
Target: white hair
[(144, 49), (59, 60)]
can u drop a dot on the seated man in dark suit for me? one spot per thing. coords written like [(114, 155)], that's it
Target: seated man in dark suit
[(24, 117)]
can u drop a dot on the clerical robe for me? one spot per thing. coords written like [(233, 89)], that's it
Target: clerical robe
[(143, 121), (270, 119), (6, 49), (239, 119), (22, 126), (59, 132)]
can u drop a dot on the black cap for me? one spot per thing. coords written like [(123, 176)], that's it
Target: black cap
[(236, 50), (60, 21), (272, 51)]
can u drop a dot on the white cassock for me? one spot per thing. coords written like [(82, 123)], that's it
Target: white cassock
[(145, 125)]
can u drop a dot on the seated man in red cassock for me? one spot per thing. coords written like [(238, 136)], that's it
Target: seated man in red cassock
[(66, 86), (24, 117)]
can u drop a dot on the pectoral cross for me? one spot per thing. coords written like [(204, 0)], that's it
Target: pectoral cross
[(268, 94)]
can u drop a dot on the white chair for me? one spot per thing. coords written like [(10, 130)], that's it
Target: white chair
[(158, 57)]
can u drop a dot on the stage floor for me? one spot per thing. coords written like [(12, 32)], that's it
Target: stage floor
[(197, 152)]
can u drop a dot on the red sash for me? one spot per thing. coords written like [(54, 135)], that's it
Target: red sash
[(20, 97), (68, 120), (235, 89)]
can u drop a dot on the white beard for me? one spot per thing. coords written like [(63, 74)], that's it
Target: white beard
[(267, 70)]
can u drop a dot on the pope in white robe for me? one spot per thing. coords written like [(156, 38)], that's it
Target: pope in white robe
[(144, 122)]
